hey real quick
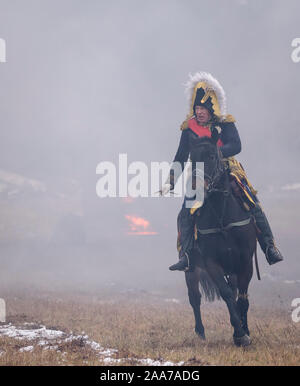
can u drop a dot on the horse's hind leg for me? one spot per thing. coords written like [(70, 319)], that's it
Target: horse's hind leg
[(232, 282), (243, 303), (217, 274), (192, 282)]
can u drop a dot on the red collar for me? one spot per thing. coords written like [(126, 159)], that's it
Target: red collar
[(201, 131)]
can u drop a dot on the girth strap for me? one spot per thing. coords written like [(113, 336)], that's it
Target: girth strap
[(217, 230)]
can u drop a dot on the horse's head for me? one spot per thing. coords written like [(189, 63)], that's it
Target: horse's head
[(206, 150)]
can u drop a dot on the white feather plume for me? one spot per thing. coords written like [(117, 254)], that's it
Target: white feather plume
[(212, 83)]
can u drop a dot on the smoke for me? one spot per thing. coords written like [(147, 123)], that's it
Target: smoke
[(85, 81)]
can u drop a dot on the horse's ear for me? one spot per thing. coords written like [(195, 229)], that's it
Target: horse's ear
[(215, 134)]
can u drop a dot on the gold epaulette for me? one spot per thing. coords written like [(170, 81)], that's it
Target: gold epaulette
[(229, 118), (184, 124)]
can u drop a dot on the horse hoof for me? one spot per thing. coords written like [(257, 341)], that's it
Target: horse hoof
[(201, 334), (242, 341)]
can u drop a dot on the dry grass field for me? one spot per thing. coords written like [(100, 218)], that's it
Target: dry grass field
[(140, 326)]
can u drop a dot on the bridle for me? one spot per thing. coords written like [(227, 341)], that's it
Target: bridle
[(215, 176), (217, 173), (213, 180)]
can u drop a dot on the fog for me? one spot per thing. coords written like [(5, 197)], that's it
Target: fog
[(87, 80)]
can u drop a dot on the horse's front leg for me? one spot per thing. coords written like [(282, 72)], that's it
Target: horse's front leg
[(216, 272), (243, 306), (244, 277), (192, 282)]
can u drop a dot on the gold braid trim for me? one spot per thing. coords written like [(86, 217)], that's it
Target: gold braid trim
[(229, 118), (236, 168), (196, 206), (208, 93), (184, 124)]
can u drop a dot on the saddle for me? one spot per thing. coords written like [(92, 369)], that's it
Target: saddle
[(240, 186)]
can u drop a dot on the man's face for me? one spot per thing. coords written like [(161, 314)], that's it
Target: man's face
[(202, 114)]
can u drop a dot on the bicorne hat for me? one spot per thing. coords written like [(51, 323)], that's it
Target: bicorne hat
[(203, 89)]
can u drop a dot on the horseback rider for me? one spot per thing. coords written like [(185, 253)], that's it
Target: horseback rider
[(208, 110)]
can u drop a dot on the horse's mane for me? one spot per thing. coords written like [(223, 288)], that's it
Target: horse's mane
[(202, 141)]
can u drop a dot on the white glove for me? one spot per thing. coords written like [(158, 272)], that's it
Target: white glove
[(165, 189)]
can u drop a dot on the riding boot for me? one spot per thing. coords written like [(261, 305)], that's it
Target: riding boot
[(185, 242), (265, 236), (183, 263)]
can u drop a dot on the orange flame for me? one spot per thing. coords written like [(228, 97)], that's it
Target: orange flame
[(139, 226), (127, 200)]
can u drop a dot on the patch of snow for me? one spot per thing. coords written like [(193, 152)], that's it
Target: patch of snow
[(291, 281), (173, 300), (111, 360), (295, 186), (151, 362), (19, 180), (42, 332), (26, 349), (50, 339)]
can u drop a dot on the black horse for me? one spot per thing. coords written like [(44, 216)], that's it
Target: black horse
[(226, 241)]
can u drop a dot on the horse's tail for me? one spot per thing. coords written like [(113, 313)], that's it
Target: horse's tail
[(208, 287)]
